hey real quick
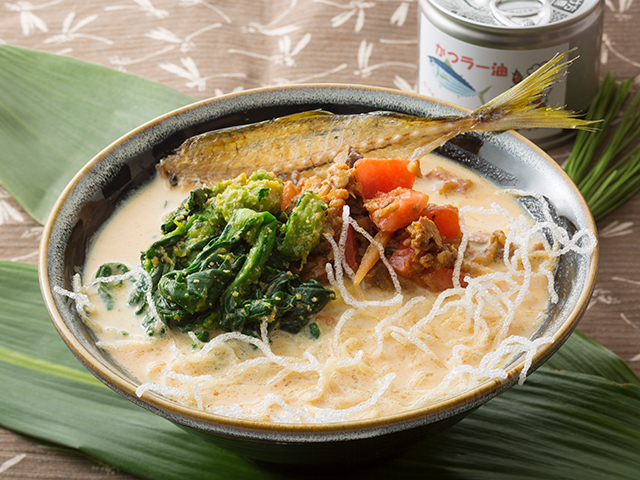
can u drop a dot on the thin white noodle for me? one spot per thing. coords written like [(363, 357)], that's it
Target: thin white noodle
[(325, 415), (84, 307), (389, 319), (292, 415), (344, 318), (397, 332), (498, 295), (378, 245), (193, 383), (336, 279), (288, 362), (234, 411), (161, 389), (335, 272), (342, 242), (329, 415)]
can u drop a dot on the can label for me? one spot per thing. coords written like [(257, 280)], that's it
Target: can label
[(470, 75)]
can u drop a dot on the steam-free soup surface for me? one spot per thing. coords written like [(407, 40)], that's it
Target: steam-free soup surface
[(369, 360)]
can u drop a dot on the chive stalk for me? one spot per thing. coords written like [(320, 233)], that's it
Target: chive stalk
[(606, 182)]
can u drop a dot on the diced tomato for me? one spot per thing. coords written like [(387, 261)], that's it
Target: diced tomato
[(382, 175), (289, 192), (438, 280), (435, 280), (401, 260), (446, 219), (396, 209), (350, 249)]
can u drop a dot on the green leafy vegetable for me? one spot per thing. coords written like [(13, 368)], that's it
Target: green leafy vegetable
[(300, 232), (243, 284), (107, 270), (290, 301), (608, 181), (314, 330), (576, 418), (261, 192)]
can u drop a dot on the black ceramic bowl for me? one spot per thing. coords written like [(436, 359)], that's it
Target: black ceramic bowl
[(92, 195)]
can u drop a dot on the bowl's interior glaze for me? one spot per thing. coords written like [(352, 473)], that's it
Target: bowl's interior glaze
[(108, 179)]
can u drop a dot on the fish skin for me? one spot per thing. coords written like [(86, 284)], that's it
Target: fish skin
[(313, 142), (449, 79), (307, 143)]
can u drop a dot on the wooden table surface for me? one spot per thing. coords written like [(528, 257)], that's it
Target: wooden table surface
[(209, 48)]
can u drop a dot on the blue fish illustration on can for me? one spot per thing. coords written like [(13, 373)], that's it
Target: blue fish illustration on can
[(452, 81)]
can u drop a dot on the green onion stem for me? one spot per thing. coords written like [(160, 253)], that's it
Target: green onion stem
[(627, 184), (605, 106), (626, 131), (598, 194), (605, 182)]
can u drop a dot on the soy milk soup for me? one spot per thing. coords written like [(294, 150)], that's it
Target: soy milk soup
[(377, 352)]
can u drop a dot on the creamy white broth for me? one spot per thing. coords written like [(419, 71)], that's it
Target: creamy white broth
[(389, 352)]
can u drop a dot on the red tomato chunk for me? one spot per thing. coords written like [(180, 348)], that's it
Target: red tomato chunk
[(396, 209), (446, 219), (382, 175)]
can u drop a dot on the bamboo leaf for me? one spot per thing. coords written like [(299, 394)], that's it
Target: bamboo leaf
[(97, 422), (56, 113), (68, 410), (49, 368), (575, 418), (25, 327), (581, 354), (558, 425)]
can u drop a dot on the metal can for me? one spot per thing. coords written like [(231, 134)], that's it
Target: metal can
[(472, 50)]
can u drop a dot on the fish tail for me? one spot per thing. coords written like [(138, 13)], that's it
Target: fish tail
[(482, 93), (519, 107)]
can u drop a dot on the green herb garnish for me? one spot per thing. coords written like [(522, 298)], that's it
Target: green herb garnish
[(104, 288), (607, 182), (223, 261)]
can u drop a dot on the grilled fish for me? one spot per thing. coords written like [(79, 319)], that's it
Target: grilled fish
[(310, 141)]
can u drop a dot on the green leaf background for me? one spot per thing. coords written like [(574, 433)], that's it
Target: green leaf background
[(577, 417), (56, 113)]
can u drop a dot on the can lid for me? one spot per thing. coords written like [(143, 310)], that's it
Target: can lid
[(515, 13), (521, 13)]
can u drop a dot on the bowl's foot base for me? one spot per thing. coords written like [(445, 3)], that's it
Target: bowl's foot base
[(322, 471)]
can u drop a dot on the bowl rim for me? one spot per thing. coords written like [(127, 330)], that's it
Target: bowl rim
[(192, 416)]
